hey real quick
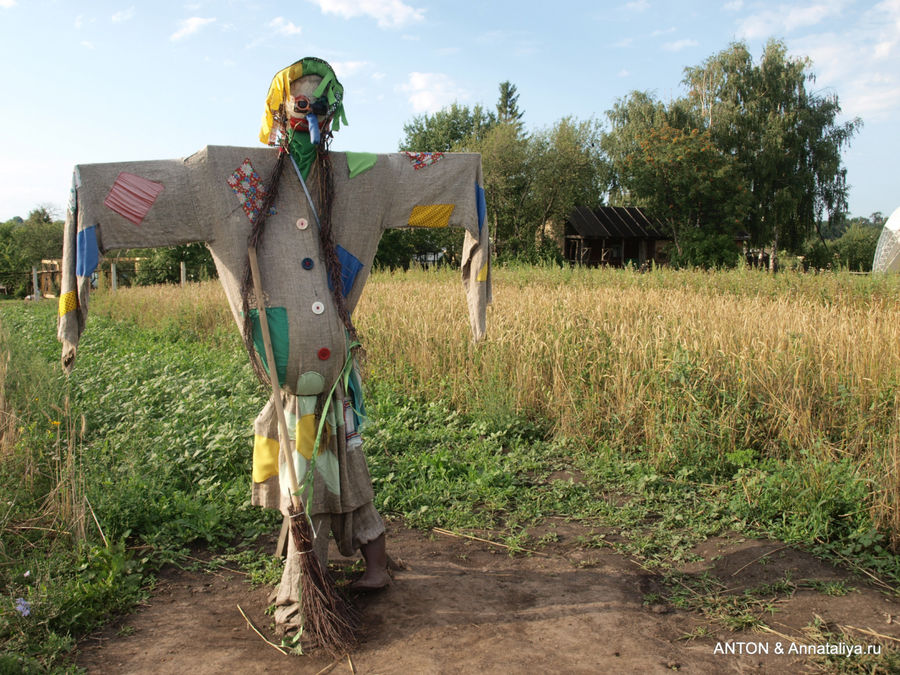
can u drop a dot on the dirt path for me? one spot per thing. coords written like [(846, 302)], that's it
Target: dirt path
[(461, 606)]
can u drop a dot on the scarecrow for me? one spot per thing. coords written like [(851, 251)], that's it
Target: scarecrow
[(293, 230)]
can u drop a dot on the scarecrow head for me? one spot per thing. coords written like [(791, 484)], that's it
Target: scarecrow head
[(305, 97)]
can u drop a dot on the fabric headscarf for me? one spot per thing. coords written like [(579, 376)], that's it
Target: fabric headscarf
[(279, 95)]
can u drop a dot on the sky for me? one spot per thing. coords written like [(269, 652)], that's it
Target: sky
[(109, 81)]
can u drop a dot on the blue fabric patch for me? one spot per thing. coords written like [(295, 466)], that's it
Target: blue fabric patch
[(87, 255), (481, 204), (350, 267)]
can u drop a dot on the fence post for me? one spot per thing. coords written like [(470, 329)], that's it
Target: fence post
[(183, 274), (113, 277), (34, 283)]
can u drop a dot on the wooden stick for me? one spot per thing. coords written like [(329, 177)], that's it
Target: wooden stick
[(859, 568), (485, 541), (264, 639), (273, 376), (329, 667), (96, 522), (870, 632)]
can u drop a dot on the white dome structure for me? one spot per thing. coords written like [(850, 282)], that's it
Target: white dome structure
[(887, 254)]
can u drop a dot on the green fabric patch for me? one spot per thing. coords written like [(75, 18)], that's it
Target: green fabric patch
[(303, 151), (278, 330), (360, 162), (310, 383)]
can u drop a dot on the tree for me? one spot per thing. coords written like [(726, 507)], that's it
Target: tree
[(504, 158), (446, 130), (567, 170), (508, 106), (39, 237), (856, 248), (663, 162), (24, 243), (784, 138), (163, 265)]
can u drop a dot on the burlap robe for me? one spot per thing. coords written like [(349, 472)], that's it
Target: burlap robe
[(211, 197)]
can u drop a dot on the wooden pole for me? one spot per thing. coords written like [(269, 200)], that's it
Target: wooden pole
[(113, 277), (284, 440), (183, 274), (34, 283)]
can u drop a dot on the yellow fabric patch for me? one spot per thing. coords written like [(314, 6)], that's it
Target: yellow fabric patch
[(265, 458), (482, 275), (306, 435), (67, 303), (307, 426), (434, 215)]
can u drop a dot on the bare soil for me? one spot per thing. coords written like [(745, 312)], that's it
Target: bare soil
[(464, 606)]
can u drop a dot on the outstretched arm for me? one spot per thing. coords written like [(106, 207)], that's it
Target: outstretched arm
[(446, 190), (123, 205)]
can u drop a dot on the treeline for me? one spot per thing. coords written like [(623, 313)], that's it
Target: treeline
[(750, 151)]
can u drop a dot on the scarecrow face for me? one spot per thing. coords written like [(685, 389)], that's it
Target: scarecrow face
[(303, 102)]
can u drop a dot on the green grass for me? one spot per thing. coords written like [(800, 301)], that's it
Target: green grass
[(112, 472)]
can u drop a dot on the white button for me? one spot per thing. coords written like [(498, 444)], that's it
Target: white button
[(318, 308), (302, 224)]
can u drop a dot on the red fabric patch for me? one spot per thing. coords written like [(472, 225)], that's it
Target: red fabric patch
[(132, 196)]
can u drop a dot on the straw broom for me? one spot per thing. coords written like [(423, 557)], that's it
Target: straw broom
[(326, 616)]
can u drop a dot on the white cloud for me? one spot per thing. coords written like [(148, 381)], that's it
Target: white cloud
[(624, 42), (860, 62), (429, 92), (788, 18), (663, 31), (624, 72), (284, 27), (637, 6), (6, 4), (87, 44), (733, 6), (388, 13), (123, 15), (678, 45), (189, 27), (79, 22)]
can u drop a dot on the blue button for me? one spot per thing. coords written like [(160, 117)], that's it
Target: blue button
[(307, 263)]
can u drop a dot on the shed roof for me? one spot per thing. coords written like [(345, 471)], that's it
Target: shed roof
[(615, 222)]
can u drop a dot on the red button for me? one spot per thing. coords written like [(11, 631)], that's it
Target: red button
[(324, 354)]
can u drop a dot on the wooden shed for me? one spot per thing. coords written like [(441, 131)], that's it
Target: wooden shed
[(614, 236)]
